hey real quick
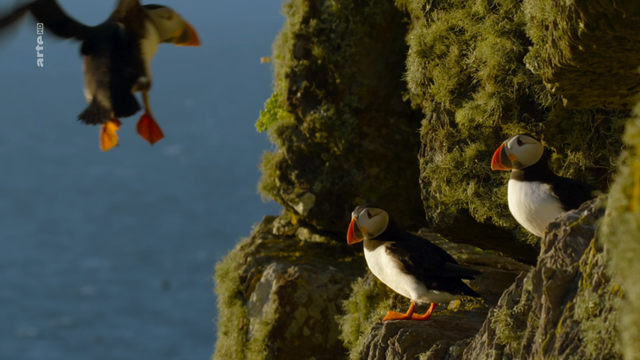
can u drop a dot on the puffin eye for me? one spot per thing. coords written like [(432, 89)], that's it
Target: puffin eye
[(519, 142), (369, 214)]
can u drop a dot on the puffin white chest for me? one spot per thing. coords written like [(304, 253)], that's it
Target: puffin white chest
[(388, 269), (533, 204)]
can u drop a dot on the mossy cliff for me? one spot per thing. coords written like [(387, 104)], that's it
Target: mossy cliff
[(402, 103), (621, 231), (344, 134)]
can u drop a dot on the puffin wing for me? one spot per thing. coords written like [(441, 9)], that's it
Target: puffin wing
[(53, 17), (571, 193), (126, 10), (422, 258)]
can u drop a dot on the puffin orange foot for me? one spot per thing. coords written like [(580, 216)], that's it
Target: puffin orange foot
[(149, 129), (392, 315), (108, 134), (426, 315)]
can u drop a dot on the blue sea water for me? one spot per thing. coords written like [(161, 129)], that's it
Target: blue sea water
[(110, 255)]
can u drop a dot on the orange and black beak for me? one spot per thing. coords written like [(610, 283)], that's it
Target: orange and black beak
[(187, 36), (354, 235), (501, 160)]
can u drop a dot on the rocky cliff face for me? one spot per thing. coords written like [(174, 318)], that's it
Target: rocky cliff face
[(566, 307), (402, 103)]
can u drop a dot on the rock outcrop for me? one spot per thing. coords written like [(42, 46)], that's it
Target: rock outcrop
[(343, 131), (279, 293), (566, 307)]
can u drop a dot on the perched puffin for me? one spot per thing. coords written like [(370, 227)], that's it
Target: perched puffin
[(537, 196), (117, 58), (410, 265)]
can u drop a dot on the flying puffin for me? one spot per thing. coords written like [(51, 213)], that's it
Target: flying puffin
[(408, 264), (117, 58), (536, 195)]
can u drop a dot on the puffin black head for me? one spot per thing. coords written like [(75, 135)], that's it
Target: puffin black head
[(172, 28), (517, 152), (367, 222)]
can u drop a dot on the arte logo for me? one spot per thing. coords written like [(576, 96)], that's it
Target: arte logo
[(39, 47)]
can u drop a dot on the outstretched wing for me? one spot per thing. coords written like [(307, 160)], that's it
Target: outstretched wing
[(52, 16)]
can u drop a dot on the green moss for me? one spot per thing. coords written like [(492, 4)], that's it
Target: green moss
[(273, 112), (232, 314), (621, 234), (465, 71)]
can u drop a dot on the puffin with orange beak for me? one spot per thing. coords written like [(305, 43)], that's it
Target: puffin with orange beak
[(410, 265), (117, 58), (536, 195)]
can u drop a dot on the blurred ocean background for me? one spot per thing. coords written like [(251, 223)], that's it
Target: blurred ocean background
[(110, 255)]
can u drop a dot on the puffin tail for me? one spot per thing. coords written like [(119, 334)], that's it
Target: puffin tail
[(124, 104), (95, 113), (466, 290)]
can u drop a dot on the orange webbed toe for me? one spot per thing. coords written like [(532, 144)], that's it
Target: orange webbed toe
[(392, 315), (108, 134), (149, 129)]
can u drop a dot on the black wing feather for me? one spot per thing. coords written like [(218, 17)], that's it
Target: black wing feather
[(421, 257), (432, 265), (53, 17), (572, 193)]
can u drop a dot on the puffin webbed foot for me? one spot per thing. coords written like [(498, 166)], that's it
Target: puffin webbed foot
[(108, 134), (426, 315), (149, 129), (392, 315)]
